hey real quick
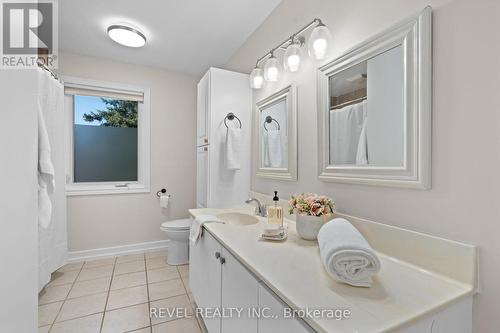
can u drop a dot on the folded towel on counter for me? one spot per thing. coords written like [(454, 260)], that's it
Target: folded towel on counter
[(233, 148), (197, 226), (346, 254)]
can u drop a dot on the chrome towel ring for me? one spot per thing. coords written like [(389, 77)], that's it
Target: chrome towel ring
[(231, 117), (269, 120)]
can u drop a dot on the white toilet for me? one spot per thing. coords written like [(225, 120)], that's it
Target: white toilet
[(178, 234)]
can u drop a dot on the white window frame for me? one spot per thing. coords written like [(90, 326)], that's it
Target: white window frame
[(142, 185)]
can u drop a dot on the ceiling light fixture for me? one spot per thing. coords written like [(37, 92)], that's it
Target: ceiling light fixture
[(126, 35), (318, 45)]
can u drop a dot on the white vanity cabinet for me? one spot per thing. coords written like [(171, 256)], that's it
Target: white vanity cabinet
[(219, 281)]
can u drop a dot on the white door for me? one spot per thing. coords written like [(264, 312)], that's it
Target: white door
[(205, 276), (276, 307), (203, 107), (239, 291), (202, 154)]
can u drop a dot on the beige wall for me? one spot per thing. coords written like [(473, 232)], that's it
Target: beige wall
[(464, 201), (99, 221)]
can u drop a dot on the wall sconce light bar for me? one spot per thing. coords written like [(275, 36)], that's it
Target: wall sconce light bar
[(289, 40)]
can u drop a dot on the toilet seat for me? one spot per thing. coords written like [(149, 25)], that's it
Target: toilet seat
[(177, 225)]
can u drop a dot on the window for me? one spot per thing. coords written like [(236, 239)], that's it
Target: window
[(108, 138)]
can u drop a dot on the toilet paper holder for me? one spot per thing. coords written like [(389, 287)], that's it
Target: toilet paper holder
[(162, 191)]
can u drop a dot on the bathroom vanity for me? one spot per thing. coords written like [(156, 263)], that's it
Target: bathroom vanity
[(419, 289)]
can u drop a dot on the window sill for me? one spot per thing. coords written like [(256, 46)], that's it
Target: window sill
[(75, 190)]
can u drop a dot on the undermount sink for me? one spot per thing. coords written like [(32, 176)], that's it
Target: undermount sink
[(238, 218)]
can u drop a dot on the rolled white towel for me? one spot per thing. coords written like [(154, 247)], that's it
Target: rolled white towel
[(196, 229), (346, 254)]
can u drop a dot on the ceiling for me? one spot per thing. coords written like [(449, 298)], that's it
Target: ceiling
[(183, 35)]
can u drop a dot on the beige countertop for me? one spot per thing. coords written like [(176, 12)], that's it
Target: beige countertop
[(401, 293)]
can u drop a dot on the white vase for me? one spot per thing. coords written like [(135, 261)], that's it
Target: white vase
[(308, 226)]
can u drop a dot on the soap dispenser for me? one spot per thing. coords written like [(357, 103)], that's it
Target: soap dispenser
[(275, 212)]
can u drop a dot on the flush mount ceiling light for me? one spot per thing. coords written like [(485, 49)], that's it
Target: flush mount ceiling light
[(318, 44), (126, 35)]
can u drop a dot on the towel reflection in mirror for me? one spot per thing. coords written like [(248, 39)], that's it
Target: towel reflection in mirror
[(274, 135)]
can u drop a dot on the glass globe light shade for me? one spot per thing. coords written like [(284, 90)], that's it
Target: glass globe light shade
[(256, 78), (319, 41), (272, 69), (292, 57)]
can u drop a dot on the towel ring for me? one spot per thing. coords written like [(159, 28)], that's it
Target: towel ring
[(269, 120), (231, 117)]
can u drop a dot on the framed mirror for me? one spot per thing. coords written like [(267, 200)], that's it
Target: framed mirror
[(276, 124), (374, 109)]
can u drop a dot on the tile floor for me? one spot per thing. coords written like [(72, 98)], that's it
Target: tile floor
[(115, 295)]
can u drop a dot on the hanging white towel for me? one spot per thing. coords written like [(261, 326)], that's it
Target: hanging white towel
[(46, 173), (196, 229), (274, 148), (346, 254), (233, 148)]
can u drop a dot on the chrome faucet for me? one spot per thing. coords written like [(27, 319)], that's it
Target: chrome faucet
[(260, 210)]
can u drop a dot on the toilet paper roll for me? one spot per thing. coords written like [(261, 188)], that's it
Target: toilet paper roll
[(164, 201)]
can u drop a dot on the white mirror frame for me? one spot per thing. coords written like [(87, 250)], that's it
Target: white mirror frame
[(414, 35), (289, 93)]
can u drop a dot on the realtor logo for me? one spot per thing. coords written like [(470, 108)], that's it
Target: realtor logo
[(29, 34)]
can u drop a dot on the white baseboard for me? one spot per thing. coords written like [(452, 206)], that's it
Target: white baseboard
[(106, 252)]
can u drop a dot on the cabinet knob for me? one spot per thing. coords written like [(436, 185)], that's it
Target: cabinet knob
[(217, 255), (205, 140), (222, 260)]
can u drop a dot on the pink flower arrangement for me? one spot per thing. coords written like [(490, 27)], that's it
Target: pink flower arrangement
[(311, 204)]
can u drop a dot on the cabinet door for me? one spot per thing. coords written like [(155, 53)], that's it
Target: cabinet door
[(203, 107), (239, 291), (275, 307), (202, 176), (456, 318), (205, 277)]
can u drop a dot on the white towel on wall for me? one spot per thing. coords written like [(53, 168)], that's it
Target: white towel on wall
[(346, 254), (233, 148), (274, 148), (196, 229)]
